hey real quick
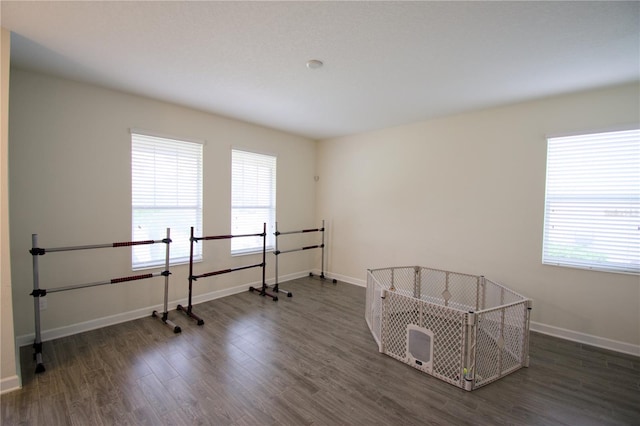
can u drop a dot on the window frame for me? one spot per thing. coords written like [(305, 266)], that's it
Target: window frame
[(253, 245), (591, 183), (193, 151)]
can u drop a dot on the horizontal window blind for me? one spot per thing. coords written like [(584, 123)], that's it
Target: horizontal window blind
[(253, 199), (592, 205), (166, 192)]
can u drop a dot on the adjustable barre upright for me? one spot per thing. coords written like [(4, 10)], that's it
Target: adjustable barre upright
[(277, 253), (188, 310), (38, 292)]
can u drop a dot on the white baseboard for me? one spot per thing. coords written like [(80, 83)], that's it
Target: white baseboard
[(9, 384), (46, 335), (587, 339), (343, 278)]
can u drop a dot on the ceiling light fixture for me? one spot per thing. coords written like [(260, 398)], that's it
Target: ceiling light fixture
[(314, 64)]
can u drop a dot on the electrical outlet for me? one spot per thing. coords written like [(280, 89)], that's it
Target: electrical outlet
[(43, 303)]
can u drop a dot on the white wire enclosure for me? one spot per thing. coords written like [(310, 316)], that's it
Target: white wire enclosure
[(463, 329)]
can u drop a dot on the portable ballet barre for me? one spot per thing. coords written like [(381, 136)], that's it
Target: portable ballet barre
[(277, 253), (188, 310), (39, 292)]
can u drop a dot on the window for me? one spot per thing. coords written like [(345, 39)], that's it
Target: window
[(253, 199), (166, 192), (592, 206)]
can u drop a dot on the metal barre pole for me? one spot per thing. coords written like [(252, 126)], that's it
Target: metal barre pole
[(225, 271), (263, 289), (298, 249), (37, 292), (96, 246), (300, 232), (264, 255), (322, 255), (188, 310), (276, 285), (165, 314), (190, 269), (166, 268), (321, 246), (276, 251), (224, 237), (37, 344), (111, 281)]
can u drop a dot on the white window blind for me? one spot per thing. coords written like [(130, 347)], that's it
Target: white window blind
[(166, 192), (592, 206), (253, 199)]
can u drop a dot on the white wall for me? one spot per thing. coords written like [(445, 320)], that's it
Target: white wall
[(8, 367), (463, 193), (466, 193), (69, 147)]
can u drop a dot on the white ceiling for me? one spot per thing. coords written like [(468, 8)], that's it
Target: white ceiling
[(385, 63)]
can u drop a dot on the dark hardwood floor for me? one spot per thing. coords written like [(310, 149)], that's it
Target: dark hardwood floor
[(306, 360)]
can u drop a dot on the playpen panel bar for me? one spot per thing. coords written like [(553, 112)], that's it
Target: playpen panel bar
[(96, 246), (226, 271), (505, 306), (111, 281), (225, 237)]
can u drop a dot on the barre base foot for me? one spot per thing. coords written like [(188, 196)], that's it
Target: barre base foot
[(39, 364), (190, 314), (263, 292), (37, 357), (281, 290), (164, 318), (323, 278)]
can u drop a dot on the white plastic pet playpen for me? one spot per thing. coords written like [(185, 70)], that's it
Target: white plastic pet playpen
[(464, 329)]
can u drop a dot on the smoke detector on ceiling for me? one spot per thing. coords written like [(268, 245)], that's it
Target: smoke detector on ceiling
[(314, 64)]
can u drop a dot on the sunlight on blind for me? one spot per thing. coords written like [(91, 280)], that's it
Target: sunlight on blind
[(166, 192), (592, 207)]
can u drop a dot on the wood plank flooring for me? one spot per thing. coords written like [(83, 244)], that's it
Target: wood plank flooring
[(306, 360)]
